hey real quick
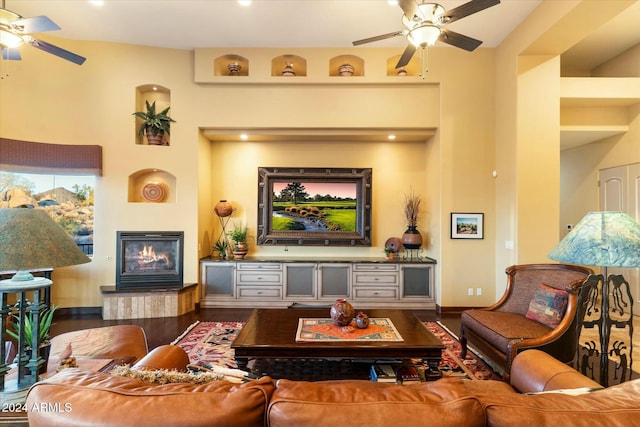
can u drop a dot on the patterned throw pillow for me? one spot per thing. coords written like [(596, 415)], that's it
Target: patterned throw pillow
[(548, 306)]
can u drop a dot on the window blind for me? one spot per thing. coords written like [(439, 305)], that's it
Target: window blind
[(58, 159)]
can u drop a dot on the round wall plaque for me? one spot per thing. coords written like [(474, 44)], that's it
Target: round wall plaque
[(153, 192)]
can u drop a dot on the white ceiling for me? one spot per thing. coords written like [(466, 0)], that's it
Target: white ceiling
[(187, 24)]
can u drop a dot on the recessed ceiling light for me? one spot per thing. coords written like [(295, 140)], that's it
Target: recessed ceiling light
[(391, 137), (244, 2), (392, 2), (97, 2), (244, 136)]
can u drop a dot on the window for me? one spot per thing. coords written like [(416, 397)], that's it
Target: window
[(68, 199)]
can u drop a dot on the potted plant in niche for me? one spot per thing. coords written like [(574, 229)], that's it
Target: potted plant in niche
[(411, 239), (45, 322), (154, 124), (239, 236)]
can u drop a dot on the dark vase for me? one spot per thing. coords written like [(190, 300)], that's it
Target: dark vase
[(411, 239), (342, 312)]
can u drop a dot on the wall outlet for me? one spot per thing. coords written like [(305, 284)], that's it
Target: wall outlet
[(470, 292), (478, 291)]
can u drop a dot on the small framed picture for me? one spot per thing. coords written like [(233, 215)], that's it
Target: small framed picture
[(467, 225)]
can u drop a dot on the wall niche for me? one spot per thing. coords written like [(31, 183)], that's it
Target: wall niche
[(151, 93), (289, 66), (411, 69), (231, 65), (152, 186)]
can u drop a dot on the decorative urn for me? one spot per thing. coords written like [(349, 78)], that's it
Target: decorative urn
[(342, 312), (362, 320)]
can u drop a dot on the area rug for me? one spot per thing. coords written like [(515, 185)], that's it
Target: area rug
[(323, 329), (209, 343)]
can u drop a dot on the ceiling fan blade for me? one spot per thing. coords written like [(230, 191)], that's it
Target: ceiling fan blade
[(406, 56), (55, 50), (467, 9), (378, 38), (11, 54), (459, 40), (410, 8), (37, 24)]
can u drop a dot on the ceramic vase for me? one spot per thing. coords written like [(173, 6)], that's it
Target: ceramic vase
[(362, 320), (346, 70), (411, 239), (342, 312), (223, 209), (240, 250)]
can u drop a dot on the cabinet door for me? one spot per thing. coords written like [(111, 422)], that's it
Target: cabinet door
[(218, 279), (334, 280), (417, 282), (300, 281)]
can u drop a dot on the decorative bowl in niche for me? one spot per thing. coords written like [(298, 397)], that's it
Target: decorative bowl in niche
[(153, 192)]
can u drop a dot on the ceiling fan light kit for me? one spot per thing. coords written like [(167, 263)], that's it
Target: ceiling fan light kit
[(425, 23), (15, 30), (424, 35)]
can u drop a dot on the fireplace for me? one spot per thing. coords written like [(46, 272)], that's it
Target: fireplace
[(149, 259)]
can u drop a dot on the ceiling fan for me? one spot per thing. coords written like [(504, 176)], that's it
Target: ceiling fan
[(15, 31), (424, 25)]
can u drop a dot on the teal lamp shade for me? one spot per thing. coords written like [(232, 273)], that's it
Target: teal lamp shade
[(30, 239), (601, 239)]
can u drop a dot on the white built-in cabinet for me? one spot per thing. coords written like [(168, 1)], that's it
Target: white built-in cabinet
[(282, 283)]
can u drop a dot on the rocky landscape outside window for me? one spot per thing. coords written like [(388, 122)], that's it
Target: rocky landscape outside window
[(67, 198)]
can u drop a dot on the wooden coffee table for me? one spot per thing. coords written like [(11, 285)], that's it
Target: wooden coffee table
[(271, 334)]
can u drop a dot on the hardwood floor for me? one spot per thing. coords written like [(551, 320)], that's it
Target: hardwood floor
[(164, 330)]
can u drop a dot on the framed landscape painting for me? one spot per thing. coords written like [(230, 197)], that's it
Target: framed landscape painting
[(467, 225), (314, 206)]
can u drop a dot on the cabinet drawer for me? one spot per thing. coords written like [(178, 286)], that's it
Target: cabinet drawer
[(248, 277), (374, 293), (375, 279), (259, 292), (259, 267), (375, 267)]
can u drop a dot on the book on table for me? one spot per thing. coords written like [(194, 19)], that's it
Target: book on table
[(408, 374), (383, 373)]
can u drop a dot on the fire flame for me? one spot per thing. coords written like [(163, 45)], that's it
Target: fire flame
[(148, 256)]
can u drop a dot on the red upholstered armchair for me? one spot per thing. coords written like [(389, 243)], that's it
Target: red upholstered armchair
[(514, 324)]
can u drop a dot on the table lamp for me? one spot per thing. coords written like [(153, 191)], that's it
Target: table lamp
[(29, 239), (603, 239)]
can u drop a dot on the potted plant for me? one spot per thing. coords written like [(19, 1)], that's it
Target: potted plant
[(221, 247), (239, 236), (154, 124), (389, 253), (45, 322)]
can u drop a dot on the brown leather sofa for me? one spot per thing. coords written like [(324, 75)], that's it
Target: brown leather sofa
[(75, 397)]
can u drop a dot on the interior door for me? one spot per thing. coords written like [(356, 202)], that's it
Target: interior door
[(620, 191)]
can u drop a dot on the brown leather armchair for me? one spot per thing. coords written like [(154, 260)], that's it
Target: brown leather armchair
[(502, 330)]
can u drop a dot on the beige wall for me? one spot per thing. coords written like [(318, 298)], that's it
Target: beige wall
[(93, 104), (580, 165), (528, 196), (482, 107)]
